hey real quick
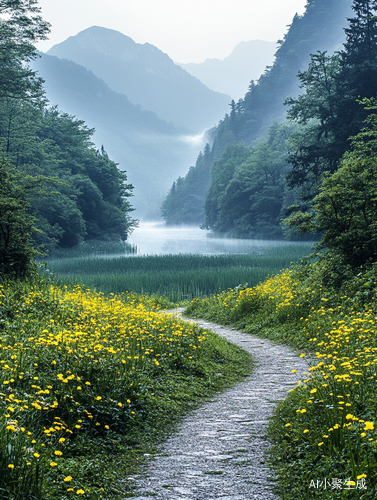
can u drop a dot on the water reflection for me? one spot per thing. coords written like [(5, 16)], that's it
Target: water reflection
[(156, 239)]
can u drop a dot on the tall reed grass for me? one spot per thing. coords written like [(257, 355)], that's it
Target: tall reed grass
[(178, 277)]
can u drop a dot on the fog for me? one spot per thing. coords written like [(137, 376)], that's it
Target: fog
[(153, 238), (198, 140)]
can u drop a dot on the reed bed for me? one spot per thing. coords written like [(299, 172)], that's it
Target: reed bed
[(177, 277)]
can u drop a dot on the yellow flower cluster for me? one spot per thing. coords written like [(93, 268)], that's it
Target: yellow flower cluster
[(341, 387), (331, 414)]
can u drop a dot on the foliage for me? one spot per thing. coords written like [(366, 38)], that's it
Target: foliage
[(151, 150), (176, 277), (91, 384), (345, 209), (329, 105), (17, 225), (325, 428), (184, 203), (88, 197), (56, 189), (248, 194), (20, 27), (319, 28)]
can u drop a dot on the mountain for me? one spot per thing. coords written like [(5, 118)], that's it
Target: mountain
[(320, 28), (146, 75), (152, 151), (233, 74)]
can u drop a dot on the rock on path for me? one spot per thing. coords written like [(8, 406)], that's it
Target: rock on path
[(218, 452)]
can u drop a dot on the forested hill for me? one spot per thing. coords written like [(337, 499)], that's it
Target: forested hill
[(146, 75), (320, 28), (151, 150)]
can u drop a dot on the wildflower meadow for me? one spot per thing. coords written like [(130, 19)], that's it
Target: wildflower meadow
[(90, 383)]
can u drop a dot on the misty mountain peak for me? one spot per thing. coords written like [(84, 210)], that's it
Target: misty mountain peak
[(105, 41), (113, 44), (146, 75)]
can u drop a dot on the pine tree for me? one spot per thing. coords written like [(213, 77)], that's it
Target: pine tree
[(358, 75), (361, 44)]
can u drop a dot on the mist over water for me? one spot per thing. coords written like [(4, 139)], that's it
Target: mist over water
[(154, 238)]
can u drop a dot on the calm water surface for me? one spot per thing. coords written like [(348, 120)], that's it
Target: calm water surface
[(156, 239)]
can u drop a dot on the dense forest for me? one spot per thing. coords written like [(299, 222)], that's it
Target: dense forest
[(249, 193), (56, 189)]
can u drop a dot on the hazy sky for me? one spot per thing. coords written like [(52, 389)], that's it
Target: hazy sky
[(187, 30)]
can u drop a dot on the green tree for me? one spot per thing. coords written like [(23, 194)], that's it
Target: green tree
[(319, 28), (184, 203), (21, 26), (221, 175), (56, 186), (345, 210), (17, 226), (250, 198), (328, 109), (91, 201)]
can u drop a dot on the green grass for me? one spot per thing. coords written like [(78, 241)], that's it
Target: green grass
[(178, 277)]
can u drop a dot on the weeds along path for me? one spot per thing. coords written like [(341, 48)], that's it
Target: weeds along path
[(218, 451)]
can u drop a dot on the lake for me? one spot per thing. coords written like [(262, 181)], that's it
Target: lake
[(154, 238)]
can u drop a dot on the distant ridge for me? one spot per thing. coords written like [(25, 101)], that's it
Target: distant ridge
[(232, 75), (146, 75)]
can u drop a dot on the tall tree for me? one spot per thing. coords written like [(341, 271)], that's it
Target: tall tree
[(329, 107), (21, 26), (344, 211), (17, 226), (248, 192), (40, 148), (184, 203)]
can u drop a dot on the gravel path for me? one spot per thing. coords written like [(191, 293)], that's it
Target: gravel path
[(218, 450)]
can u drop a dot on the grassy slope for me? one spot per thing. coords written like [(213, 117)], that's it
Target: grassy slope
[(325, 429), (91, 383)]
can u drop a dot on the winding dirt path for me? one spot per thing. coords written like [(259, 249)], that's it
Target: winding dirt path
[(218, 452)]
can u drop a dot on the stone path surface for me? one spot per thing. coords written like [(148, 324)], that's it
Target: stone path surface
[(218, 452)]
